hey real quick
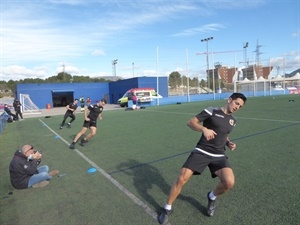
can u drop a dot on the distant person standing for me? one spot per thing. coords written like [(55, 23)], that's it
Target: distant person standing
[(17, 106), (134, 99), (82, 101), (88, 101), (71, 108), (7, 110), (91, 114)]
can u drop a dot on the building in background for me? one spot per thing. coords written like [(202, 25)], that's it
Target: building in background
[(60, 94)]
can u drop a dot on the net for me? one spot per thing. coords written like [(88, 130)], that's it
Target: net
[(28, 106)]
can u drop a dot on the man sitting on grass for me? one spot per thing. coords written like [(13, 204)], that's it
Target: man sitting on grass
[(24, 170), (7, 110)]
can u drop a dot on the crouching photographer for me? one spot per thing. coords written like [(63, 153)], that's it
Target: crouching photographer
[(25, 171)]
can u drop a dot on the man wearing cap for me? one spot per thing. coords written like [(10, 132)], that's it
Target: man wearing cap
[(24, 170)]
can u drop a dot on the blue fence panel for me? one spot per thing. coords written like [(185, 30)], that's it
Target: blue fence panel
[(3, 120)]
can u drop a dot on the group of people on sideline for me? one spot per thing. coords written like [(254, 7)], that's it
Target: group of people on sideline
[(84, 102), (25, 170), (18, 111)]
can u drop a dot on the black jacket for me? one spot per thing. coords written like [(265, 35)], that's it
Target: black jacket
[(17, 105), (21, 170), (7, 110)]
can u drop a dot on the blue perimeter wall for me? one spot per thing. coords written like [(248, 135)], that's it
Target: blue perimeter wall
[(41, 94), (3, 120), (205, 97)]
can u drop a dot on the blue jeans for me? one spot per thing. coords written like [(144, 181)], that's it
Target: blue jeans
[(40, 176)]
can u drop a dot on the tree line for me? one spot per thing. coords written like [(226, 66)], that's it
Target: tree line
[(176, 80)]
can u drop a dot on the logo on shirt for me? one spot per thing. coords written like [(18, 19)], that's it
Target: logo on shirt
[(231, 122), (25, 167), (218, 115)]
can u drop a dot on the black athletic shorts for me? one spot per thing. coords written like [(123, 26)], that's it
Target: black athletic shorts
[(91, 123), (69, 114), (198, 161)]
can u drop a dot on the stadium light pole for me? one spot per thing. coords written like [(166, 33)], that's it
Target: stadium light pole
[(246, 61), (114, 63), (207, 61), (133, 69)]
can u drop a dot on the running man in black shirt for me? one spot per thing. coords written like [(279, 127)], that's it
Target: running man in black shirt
[(215, 124), (91, 114), (71, 108)]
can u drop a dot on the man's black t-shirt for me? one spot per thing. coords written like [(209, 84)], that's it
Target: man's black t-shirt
[(95, 111), (216, 120), (72, 106)]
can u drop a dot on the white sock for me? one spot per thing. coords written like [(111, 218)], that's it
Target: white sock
[(168, 207), (212, 196)]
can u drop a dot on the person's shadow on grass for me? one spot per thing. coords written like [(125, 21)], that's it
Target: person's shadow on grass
[(145, 177)]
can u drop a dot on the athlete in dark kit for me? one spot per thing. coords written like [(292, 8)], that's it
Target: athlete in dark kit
[(71, 108), (215, 124), (91, 114)]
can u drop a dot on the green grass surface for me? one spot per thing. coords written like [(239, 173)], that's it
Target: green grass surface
[(141, 153)]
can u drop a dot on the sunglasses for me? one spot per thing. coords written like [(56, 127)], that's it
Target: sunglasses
[(31, 148)]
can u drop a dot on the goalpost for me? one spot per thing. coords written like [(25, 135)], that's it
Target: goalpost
[(28, 106)]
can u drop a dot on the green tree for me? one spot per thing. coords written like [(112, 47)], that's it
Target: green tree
[(203, 83), (31, 80), (174, 79), (11, 84), (82, 79)]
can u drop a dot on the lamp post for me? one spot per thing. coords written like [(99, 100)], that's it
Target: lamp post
[(114, 62), (207, 62), (133, 69), (246, 61)]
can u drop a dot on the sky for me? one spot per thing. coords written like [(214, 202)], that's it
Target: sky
[(133, 38)]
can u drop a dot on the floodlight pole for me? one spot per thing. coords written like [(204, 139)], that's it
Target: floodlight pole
[(114, 63), (133, 69), (246, 61), (207, 61)]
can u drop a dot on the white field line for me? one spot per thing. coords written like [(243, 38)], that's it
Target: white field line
[(137, 201), (246, 118), (271, 120)]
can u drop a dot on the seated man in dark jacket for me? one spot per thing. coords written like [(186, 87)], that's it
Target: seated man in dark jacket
[(7, 110), (24, 170)]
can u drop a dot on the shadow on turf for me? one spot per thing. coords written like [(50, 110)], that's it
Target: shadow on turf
[(145, 177)]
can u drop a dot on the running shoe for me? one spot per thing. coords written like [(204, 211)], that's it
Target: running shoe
[(211, 206), (163, 218)]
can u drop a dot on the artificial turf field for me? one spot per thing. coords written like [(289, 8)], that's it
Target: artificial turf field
[(138, 155)]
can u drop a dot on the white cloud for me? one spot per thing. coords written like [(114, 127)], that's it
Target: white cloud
[(98, 52), (296, 34), (16, 72), (67, 68), (208, 28)]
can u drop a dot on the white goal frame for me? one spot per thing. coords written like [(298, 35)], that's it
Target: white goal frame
[(28, 106)]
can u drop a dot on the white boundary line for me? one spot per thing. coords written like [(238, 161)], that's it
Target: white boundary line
[(136, 200), (246, 118), (270, 120)]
